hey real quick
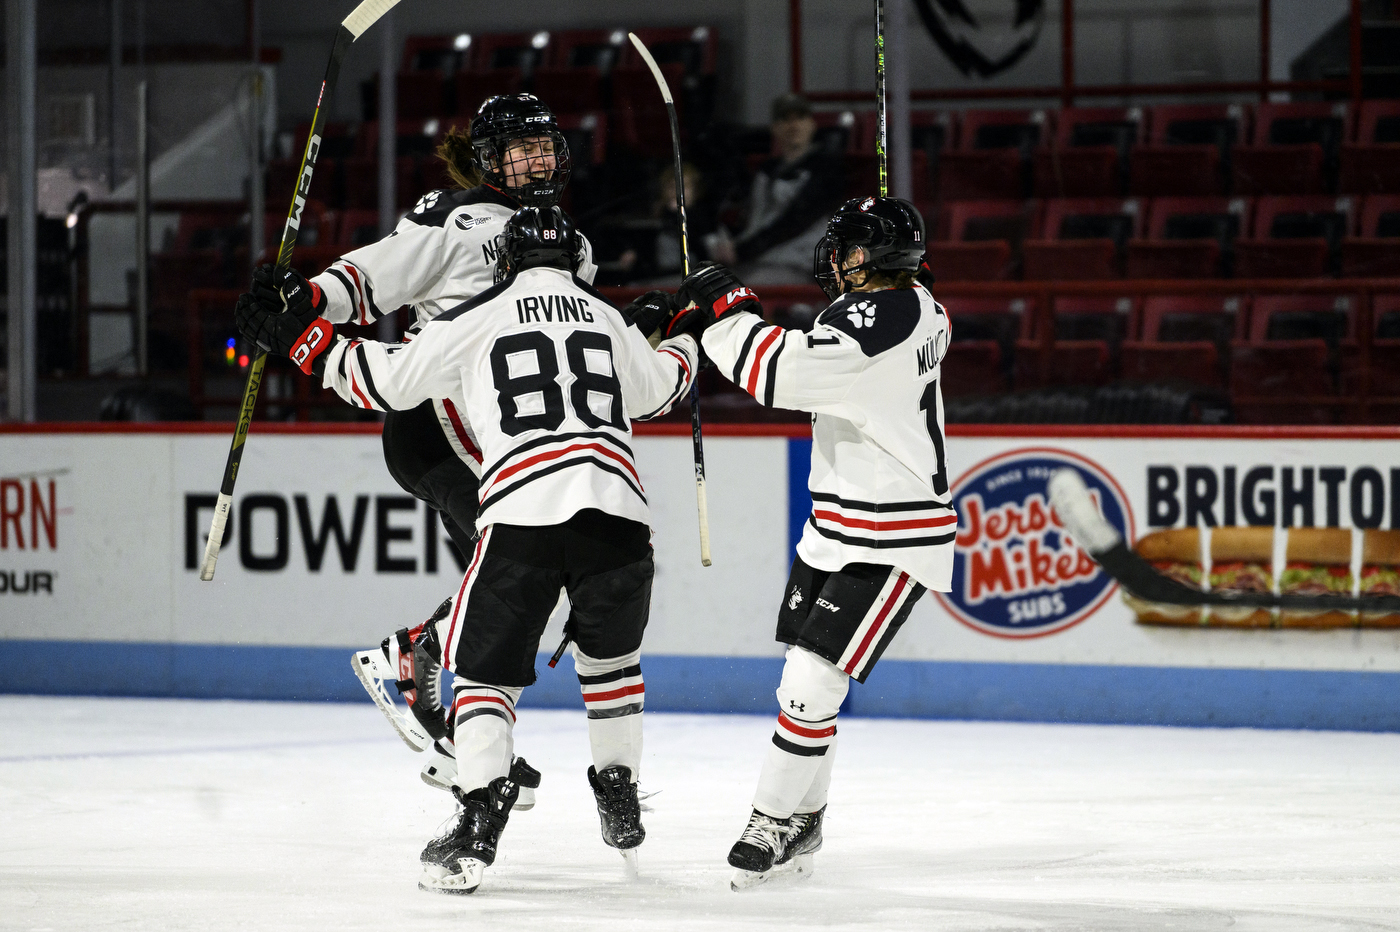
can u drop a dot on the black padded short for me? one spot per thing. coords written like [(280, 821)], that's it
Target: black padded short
[(847, 617), (425, 466), (604, 564)]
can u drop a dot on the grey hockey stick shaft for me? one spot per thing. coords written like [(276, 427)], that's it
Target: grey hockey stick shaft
[(351, 28), (1071, 501), (696, 439)]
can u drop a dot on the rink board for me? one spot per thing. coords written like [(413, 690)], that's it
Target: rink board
[(101, 533)]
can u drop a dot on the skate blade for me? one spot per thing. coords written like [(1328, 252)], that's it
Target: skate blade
[(373, 672), (438, 879), (629, 864), (799, 868)]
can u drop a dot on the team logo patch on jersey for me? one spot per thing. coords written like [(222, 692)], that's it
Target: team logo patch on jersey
[(1016, 573), (467, 221), (427, 202), (796, 599), (862, 314)]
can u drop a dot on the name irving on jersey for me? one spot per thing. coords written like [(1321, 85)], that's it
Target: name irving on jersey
[(556, 308)]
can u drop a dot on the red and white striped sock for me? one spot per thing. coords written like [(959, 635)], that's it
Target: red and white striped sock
[(614, 695), (484, 735)]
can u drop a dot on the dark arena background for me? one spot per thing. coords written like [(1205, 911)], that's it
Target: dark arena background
[(1167, 239)]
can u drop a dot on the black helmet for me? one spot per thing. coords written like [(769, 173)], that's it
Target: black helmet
[(888, 229), (537, 236), (505, 119)]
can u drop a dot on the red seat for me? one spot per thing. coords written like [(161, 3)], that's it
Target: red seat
[(973, 367), (1193, 364), (1282, 382), (1372, 164), (1090, 154), (1188, 237), (517, 51), (443, 54), (992, 156), (1291, 146), (1295, 237), (362, 182), (470, 89), (418, 95), (587, 135), (1382, 388), (863, 174), (984, 240), (933, 131), (1193, 318), (1083, 238), (1327, 317), (1071, 363), (1186, 150), (357, 227), (1375, 253)]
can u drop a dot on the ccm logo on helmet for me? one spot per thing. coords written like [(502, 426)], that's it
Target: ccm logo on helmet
[(732, 298)]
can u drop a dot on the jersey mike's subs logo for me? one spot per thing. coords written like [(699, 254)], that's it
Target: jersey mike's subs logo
[(1016, 572)]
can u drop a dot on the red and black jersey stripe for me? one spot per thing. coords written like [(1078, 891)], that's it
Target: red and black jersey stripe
[(547, 455)]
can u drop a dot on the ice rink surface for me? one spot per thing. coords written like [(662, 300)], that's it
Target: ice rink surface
[(165, 815)]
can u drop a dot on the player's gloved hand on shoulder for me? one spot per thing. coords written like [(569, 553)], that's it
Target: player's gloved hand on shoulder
[(650, 311), (710, 293), (297, 332)]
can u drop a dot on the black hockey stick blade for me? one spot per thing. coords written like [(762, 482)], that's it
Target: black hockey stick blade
[(351, 28), (1076, 510)]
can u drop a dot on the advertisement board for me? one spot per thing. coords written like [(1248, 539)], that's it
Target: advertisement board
[(101, 532)]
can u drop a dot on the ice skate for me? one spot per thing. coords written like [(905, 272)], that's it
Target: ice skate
[(619, 812), (410, 659), (763, 842), (804, 840), (456, 861), (441, 770)]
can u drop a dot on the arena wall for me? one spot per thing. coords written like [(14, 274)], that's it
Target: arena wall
[(101, 532)]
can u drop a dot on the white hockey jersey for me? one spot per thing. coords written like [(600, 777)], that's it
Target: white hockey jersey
[(549, 373), (868, 371), (442, 253)]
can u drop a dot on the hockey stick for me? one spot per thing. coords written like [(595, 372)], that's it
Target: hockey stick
[(696, 440), (351, 28), (1070, 499), (881, 155)]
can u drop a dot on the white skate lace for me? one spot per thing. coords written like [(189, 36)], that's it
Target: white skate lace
[(764, 832)]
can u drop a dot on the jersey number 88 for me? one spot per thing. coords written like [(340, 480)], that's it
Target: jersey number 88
[(547, 408)]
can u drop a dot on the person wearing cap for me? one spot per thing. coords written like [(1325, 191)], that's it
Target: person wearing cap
[(792, 196)]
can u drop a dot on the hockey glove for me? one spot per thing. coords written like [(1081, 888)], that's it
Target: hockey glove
[(650, 311), (278, 290), (300, 336), (708, 294)]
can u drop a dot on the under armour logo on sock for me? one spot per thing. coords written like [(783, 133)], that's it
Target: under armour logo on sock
[(799, 706)]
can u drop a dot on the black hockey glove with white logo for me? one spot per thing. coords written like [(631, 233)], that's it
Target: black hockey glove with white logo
[(650, 311), (289, 327), (708, 294)]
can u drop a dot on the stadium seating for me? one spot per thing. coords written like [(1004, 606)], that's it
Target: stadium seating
[(1282, 382), (1083, 238), (992, 154), (1294, 149), (1375, 252), (1183, 340), (1372, 164), (1295, 237), (1090, 154), (577, 79), (1188, 237), (983, 240), (1186, 151), (985, 332)]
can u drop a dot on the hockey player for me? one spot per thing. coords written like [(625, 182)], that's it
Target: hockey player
[(549, 373), (441, 254), (882, 525)]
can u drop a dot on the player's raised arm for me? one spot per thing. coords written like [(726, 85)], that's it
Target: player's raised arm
[(654, 380), (367, 374)]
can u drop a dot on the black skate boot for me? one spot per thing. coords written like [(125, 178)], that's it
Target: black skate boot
[(620, 813), (411, 659), (804, 840), (456, 861), (763, 842)]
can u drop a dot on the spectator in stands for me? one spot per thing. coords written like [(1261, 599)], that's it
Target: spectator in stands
[(792, 196), (653, 255)]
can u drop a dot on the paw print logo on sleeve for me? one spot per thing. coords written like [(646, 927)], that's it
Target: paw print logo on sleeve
[(862, 314), (427, 202)]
